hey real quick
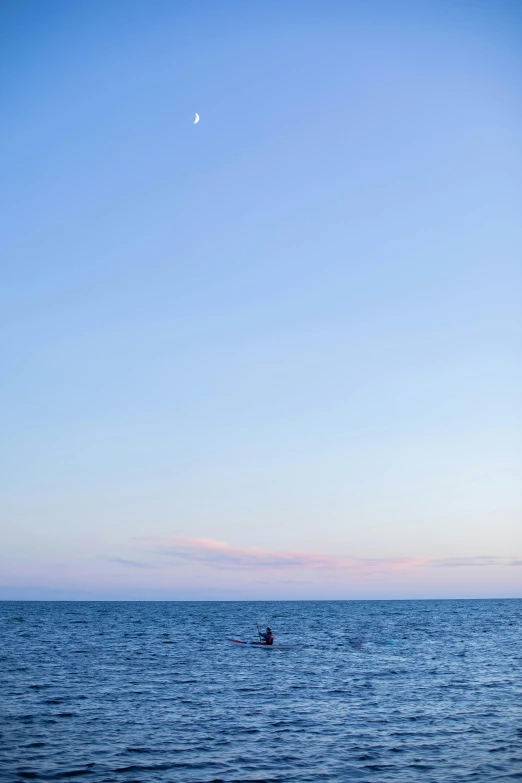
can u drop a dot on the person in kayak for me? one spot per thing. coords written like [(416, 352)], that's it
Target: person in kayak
[(268, 636)]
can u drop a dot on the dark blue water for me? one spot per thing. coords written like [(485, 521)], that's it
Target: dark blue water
[(385, 691)]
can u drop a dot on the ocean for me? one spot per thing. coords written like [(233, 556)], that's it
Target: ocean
[(377, 692)]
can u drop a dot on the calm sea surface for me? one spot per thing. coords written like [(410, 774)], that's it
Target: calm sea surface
[(384, 691)]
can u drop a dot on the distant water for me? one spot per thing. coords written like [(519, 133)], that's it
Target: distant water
[(386, 691)]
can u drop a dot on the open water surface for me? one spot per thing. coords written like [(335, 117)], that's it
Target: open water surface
[(385, 692)]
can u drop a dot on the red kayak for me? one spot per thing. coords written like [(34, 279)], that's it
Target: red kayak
[(264, 644)]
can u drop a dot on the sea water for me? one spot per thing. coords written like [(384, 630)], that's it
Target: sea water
[(383, 692)]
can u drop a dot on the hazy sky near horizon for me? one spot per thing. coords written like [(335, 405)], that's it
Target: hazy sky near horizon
[(276, 354)]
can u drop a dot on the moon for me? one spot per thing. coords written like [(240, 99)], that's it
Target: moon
[(196, 118)]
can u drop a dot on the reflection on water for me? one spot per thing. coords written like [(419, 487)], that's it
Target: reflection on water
[(383, 691)]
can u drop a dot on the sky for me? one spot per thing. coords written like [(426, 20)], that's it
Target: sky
[(275, 354)]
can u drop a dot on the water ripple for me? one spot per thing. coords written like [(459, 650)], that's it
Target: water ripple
[(386, 692)]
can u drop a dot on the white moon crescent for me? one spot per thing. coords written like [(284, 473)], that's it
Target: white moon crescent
[(196, 118)]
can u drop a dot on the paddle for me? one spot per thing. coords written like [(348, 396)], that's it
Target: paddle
[(258, 631)]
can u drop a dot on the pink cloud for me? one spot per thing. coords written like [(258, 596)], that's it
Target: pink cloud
[(459, 562), (221, 555)]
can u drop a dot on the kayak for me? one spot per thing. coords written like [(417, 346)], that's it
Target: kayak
[(264, 645)]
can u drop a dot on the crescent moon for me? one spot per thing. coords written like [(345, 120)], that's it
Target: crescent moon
[(196, 118)]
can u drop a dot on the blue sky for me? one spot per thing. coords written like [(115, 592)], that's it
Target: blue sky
[(293, 328)]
